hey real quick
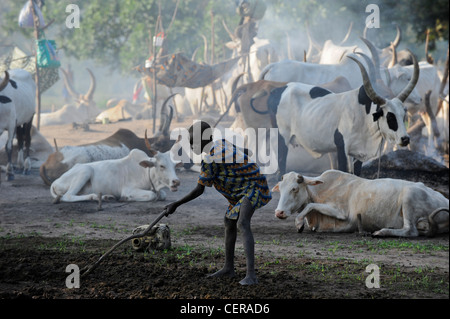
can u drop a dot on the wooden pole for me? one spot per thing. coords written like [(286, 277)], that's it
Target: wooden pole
[(38, 92)]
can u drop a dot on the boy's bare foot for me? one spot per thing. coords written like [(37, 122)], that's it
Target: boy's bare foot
[(249, 280)]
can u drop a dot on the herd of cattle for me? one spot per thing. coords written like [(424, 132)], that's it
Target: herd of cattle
[(355, 99)]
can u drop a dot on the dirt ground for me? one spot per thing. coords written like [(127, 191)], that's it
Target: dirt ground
[(39, 239)]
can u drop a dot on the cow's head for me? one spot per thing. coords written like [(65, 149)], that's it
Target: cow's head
[(293, 190), (81, 100), (163, 174), (164, 165), (390, 113), (53, 167)]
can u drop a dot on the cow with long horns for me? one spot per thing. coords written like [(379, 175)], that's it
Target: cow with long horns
[(82, 110), (352, 123)]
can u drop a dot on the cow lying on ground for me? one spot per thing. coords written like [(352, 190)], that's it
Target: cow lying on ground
[(340, 202), (135, 177), (115, 146)]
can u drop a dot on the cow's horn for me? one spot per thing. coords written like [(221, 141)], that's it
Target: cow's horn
[(44, 176), (90, 93), (394, 59), (348, 34), (147, 142), (234, 95), (68, 85), (149, 146), (368, 85), (412, 83), (372, 73), (398, 38), (373, 52), (56, 145), (5, 81), (165, 125)]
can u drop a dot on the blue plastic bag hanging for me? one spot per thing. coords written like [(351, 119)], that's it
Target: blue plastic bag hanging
[(26, 16)]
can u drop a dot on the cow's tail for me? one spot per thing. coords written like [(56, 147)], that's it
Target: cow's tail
[(434, 227)]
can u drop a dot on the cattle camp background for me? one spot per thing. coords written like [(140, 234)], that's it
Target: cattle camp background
[(100, 103)]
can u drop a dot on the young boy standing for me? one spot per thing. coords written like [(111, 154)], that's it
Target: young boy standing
[(239, 180)]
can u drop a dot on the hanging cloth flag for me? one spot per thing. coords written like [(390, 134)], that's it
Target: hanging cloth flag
[(176, 70)]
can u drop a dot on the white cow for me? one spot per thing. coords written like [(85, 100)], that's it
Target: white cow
[(17, 108), (340, 202), (135, 177), (352, 123)]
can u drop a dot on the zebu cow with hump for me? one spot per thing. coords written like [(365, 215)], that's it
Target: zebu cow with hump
[(17, 108), (136, 177), (340, 202), (352, 123), (115, 146)]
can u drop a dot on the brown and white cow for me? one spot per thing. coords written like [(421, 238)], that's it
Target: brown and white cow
[(340, 202)]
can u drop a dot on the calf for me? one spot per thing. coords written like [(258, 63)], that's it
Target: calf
[(340, 202), (135, 177)]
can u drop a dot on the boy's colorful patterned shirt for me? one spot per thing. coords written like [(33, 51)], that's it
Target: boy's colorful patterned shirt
[(234, 176)]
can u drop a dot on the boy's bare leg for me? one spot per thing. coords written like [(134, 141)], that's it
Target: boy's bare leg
[(245, 215), (230, 242)]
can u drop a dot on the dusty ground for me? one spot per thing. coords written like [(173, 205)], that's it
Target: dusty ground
[(39, 239)]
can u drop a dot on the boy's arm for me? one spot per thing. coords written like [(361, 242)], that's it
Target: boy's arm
[(196, 192)]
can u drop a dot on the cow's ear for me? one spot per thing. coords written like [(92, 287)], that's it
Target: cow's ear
[(147, 164), (377, 115), (313, 182), (276, 188)]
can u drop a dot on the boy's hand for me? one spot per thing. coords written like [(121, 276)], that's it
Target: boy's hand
[(170, 209)]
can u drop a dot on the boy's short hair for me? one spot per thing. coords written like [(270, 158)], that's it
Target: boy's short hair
[(199, 127)]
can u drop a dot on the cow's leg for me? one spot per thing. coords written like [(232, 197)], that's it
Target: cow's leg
[(27, 138), (411, 209), (408, 230), (20, 139), (320, 208), (9, 149), (138, 195), (282, 155), (340, 146), (77, 182)]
